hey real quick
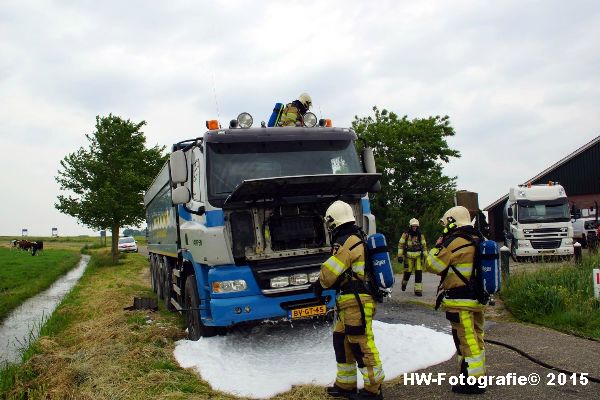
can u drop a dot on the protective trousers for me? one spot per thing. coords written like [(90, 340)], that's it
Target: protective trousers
[(413, 263), (467, 331), (354, 346)]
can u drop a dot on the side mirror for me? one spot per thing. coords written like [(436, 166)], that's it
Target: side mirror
[(509, 212), (178, 165), (369, 160), (180, 195)]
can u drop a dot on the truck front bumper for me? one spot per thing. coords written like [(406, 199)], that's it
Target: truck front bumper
[(531, 252), (234, 310)]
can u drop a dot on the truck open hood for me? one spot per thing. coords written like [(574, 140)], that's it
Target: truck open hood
[(303, 185)]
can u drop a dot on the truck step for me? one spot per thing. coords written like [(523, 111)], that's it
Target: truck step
[(176, 304), (176, 289)]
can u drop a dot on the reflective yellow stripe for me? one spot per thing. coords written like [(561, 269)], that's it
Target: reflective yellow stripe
[(436, 264), (465, 269), (413, 254), (475, 366), (461, 303), (346, 373), (359, 267), (335, 265)]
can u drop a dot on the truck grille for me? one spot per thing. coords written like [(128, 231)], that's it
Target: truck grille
[(265, 270), (545, 244)]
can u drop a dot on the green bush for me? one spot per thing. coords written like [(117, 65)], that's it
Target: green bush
[(560, 298)]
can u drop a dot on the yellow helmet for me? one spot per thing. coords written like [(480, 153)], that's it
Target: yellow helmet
[(337, 214), (305, 99), (414, 222), (456, 216)]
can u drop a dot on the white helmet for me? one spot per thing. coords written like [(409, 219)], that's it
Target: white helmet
[(337, 214), (414, 222), (459, 216), (305, 99)]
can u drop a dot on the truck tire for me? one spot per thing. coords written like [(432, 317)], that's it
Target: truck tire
[(168, 284), (196, 329), (153, 273)]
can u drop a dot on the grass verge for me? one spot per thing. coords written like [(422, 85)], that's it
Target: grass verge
[(559, 298), (23, 276), (91, 348)]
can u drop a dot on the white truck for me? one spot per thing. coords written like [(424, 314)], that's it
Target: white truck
[(537, 222), (235, 221)]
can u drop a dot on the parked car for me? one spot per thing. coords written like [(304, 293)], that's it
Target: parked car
[(127, 244)]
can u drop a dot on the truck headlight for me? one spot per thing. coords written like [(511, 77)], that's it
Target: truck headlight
[(280, 281), (299, 279), (237, 285), (568, 242), (313, 276), (524, 243)]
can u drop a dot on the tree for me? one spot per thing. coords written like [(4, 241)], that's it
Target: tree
[(410, 155), (108, 179)]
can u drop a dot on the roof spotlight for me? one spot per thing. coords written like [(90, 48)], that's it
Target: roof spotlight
[(245, 120), (310, 120)]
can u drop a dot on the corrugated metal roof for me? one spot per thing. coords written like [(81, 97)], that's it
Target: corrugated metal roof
[(571, 156)]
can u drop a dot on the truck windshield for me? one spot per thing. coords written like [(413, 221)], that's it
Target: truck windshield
[(544, 212), (231, 163)]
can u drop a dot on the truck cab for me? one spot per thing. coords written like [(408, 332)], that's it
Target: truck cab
[(537, 222), (585, 225), (235, 222)]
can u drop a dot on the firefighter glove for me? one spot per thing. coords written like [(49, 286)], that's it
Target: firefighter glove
[(400, 259)]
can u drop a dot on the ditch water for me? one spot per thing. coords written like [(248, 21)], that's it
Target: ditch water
[(23, 325)]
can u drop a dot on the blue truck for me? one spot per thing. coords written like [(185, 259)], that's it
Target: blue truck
[(235, 221)]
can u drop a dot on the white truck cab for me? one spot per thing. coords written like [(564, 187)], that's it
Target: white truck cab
[(537, 222)]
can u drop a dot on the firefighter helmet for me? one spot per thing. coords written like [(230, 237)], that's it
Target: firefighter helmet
[(337, 214), (456, 217), (305, 99), (414, 222)]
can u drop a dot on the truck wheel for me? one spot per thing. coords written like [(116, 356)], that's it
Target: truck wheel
[(159, 278), (196, 329), (152, 273), (167, 285)]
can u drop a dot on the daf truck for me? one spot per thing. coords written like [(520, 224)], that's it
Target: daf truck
[(235, 221), (537, 222)]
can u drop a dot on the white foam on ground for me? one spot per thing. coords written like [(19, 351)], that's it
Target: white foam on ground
[(271, 358)]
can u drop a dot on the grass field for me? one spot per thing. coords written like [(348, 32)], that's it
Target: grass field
[(91, 348), (561, 298), (23, 276)]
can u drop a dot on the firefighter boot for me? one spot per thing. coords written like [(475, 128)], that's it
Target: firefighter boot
[(364, 394), (336, 391), (418, 283), (405, 279), (468, 389)]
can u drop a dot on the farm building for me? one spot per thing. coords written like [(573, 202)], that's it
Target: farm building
[(578, 173)]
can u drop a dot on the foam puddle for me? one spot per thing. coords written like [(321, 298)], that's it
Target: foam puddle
[(272, 358)]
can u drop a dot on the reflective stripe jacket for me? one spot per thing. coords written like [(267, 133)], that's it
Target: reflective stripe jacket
[(410, 246), (290, 116), (460, 253), (349, 254)]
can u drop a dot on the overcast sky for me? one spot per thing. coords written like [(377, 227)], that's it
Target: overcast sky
[(520, 80)]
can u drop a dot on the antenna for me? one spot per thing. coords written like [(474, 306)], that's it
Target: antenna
[(215, 95)]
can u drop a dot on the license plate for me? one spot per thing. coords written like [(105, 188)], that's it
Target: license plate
[(547, 251), (307, 312)]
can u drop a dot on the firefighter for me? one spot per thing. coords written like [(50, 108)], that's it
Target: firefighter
[(293, 112), (411, 248), (353, 340), (453, 259)]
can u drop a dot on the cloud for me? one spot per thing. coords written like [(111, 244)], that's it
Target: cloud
[(518, 79)]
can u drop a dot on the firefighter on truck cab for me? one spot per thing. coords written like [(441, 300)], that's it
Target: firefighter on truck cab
[(293, 112), (353, 340), (453, 256)]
